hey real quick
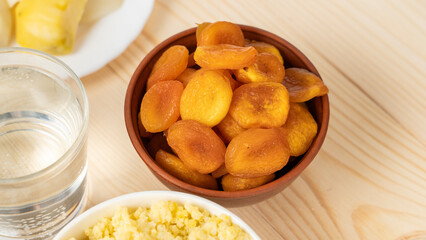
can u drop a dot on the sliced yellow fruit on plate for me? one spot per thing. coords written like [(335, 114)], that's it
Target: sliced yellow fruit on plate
[(48, 25), (12, 2), (5, 23)]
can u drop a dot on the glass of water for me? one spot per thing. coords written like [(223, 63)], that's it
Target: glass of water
[(43, 132)]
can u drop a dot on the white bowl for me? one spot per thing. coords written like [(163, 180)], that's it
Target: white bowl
[(145, 199)]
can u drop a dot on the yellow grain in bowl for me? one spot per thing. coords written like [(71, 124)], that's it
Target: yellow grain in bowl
[(165, 220)]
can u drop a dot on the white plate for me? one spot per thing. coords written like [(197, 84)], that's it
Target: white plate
[(106, 209), (99, 43)]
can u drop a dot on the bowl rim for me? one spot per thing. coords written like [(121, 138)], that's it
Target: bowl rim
[(218, 194), (152, 196)]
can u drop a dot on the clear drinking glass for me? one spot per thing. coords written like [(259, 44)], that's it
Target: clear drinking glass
[(43, 133)]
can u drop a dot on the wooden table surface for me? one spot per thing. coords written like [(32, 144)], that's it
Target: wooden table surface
[(369, 179)]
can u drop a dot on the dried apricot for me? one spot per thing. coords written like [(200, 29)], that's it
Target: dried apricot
[(175, 167), (197, 145), (200, 28), (266, 68), (301, 129), (233, 183), (228, 75), (224, 56), (262, 47), (234, 84), (220, 33), (216, 130), (229, 128), (257, 152), (142, 130), (186, 76), (207, 97), (157, 142), (160, 105), (220, 172), (191, 60), (303, 85), (264, 104), (169, 66)]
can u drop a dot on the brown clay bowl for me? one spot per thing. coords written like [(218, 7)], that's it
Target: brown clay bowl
[(319, 107)]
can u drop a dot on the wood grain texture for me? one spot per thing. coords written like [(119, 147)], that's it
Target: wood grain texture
[(369, 179)]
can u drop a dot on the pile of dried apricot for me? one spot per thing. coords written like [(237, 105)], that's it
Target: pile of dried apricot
[(229, 115)]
